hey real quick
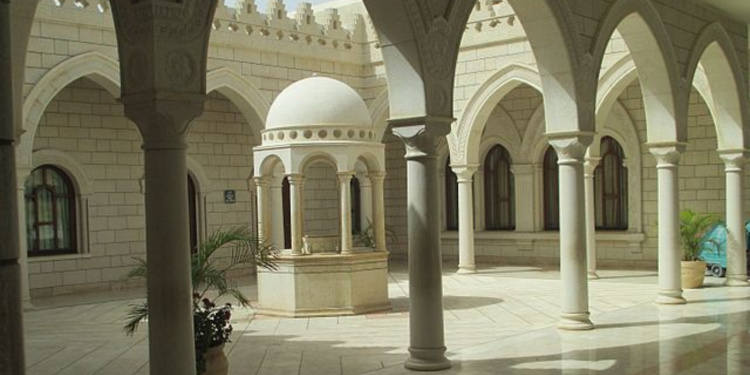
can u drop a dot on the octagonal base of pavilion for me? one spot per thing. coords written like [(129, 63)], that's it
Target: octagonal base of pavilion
[(325, 285)]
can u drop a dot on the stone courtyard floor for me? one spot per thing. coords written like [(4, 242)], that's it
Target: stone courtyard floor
[(499, 321)]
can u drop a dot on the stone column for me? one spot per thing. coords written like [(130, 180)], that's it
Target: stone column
[(667, 161), (427, 342), (575, 300), (589, 167), (171, 342), (264, 214), (296, 183), (365, 193), (12, 359), (378, 209), (466, 261), (277, 212), (479, 200), (736, 241), (524, 187), (163, 71), (345, 209), (22, 174)]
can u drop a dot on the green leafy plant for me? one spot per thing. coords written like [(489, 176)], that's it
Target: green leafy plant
[(211, 323), (366, 236), (693, 230)]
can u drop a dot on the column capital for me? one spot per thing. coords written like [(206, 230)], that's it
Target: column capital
[(465, 172), (420, 135), (376, 176), (570, 147), (262, 181), (295, 178), (667, 154), (589, 165), (345, 176), (734, 160)]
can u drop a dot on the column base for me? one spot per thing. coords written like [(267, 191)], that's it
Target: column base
[(737, 281), (670, 297), (575, 322), (432, 359), (593, 276), (466, 270)]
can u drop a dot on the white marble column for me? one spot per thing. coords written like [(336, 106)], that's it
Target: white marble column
[(365, 197), (589, 167), (427, 341), (22, 174), (575, 299), (466, 258), (378, 209), (277, 212), (12, 358), (670, 253), (263, 208), (345, 211), (524, 190), (296, 183), (736, 241)]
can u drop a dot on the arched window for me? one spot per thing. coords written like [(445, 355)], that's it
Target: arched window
[(451, 197), (50, 212), (611, 187), (355, 205), (193, 214), (551, 191), (499, 192), (287, 207)]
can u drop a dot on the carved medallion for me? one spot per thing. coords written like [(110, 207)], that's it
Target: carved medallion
[(180, 68)]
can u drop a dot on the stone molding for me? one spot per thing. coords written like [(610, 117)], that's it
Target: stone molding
[(668, 154), (465, 173), (734, 161), (570, 148)]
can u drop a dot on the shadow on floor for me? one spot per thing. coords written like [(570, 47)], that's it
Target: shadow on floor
[(401, 304)]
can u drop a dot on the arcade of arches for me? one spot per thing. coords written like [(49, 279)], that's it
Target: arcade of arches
[(565, 134)]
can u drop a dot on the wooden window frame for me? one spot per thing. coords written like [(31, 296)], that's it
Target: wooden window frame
[(491, 212)]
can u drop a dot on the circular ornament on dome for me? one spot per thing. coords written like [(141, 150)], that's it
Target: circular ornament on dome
[(307, 134), (293, 134), (337, 133), (322, 134), (270, 137), (280, 135), (350, 134), (362, 134)]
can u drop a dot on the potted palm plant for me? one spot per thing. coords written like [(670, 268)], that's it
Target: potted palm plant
[(693, 230), (212, 326)]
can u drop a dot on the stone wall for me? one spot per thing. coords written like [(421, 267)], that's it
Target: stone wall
[(85, 123), (321, 200)]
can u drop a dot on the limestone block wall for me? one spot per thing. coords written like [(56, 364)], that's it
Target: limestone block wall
[(85, 123), (321, 200)]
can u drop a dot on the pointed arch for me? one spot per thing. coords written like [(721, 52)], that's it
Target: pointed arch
[(715, 53), (238, 89), (561, 61), (651, 49), (379, 112), (96, 66), (468, 134)]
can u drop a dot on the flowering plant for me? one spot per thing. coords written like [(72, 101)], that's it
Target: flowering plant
[(211, 323), (212, 327)]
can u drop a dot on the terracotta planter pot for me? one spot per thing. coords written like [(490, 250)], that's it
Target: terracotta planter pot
[(693, 274), (216, 361)]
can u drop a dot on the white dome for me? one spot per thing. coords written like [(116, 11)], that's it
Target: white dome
[(318, 101)]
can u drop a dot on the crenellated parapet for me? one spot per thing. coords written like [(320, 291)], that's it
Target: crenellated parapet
[(327, 29)]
